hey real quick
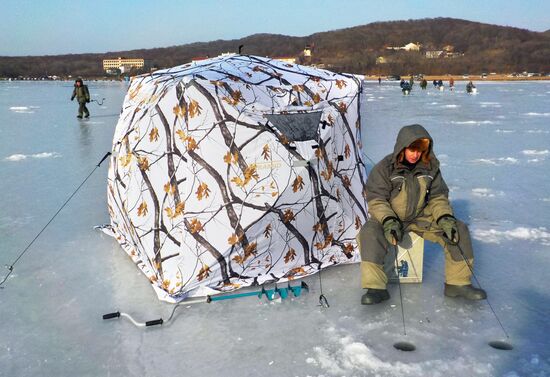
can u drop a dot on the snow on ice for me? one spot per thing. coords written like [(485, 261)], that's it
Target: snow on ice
[(19, 157), (51, 305)]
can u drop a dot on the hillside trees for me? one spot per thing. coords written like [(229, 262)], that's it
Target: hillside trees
[(485, 47)]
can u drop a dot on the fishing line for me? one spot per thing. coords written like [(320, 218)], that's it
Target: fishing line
[(495, 344), (400, 294), (367, 156), (11, 266), (402, 346)]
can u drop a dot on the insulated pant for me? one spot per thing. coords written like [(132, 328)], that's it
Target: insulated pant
[(82, 109), (374, 246)]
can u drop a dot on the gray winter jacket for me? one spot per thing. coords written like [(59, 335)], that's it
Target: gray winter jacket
[(409, 194)]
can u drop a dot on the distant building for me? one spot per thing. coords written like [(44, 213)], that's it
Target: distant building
[(307, 54), (408, 47), (286, 59), (453, 54), (412, 47), (435, 54), (122, 64), (449, 48), (199, 58), (447, 52)]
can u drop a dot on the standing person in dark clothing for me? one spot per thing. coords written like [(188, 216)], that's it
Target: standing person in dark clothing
[(82, 96), (406, 192), (423, 84), (406, 87)]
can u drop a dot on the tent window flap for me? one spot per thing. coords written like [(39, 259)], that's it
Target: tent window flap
[(297, 126)]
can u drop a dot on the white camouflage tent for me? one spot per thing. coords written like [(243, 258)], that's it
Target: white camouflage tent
[(237, 171)]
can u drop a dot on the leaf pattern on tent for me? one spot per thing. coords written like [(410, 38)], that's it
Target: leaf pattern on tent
[(206, 195)]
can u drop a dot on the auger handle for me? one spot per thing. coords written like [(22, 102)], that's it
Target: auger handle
[(154, 322), (111, 315)]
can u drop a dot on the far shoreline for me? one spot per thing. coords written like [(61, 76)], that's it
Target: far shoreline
[(477, 78), (428, 77)]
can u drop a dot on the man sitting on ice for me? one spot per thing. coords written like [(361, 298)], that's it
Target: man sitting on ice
[(406, 192)]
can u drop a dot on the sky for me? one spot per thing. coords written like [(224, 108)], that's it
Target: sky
[(55, 27)]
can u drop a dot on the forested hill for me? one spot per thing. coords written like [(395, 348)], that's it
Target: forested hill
[(466, 47)]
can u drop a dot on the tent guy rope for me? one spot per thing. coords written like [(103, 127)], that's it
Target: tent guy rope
[(12, 265)]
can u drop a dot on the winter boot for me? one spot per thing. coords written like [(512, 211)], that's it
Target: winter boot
[(374, 296), (469, 292)]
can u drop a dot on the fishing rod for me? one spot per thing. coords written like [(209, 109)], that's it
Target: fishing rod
[(12, 265), (401, 345)]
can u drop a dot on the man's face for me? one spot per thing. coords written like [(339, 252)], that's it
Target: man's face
[(412, 155), (78, 83)]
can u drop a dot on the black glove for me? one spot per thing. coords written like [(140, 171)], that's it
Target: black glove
[(87, 101), (393, 230), (447, 223), (72, 98)]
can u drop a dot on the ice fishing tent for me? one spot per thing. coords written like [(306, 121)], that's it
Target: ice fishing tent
[(237, 171)]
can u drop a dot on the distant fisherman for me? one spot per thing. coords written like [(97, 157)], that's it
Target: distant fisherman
[(82, 96), (423, 84), (405, 87)]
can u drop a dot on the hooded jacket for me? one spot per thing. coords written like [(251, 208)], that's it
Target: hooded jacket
[(408, 193), (81, 92)]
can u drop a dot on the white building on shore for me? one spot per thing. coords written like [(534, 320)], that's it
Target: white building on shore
[(122, 64)]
